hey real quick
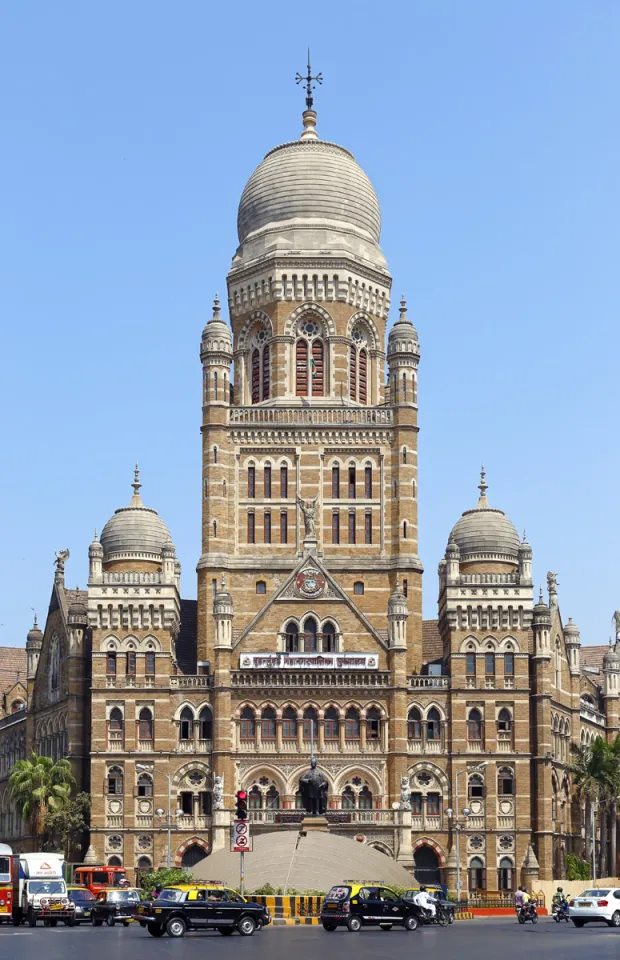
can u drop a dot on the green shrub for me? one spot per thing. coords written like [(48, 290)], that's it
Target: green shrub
[(167, 878), (577, 869)]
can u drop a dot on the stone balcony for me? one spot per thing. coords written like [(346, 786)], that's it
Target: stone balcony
[(188, 682), (194, 746), (291, 679), (425, 746), (312, 416), (340, 815), (433, 683), (328, 747)]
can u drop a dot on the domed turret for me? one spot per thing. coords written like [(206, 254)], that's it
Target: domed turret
[(223, 616), (485, 533), (78, 613), (34, 643), (309, 196), (572, 639), (403, 356), (216, 352), (134, 532), (398, 614)]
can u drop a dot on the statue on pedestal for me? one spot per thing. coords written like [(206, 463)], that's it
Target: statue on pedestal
[(313, 788)]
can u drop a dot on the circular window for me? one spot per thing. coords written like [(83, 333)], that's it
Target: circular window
[(506, 843), (424, 779), (144, 842), (115, 842), (476, 843), (310, 328), (195, 778)]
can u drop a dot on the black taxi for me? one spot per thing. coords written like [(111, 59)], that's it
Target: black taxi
[(198, 907), (115, 905), (355, 904)]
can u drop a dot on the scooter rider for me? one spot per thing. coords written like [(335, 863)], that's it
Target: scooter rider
[(424, 900), (558, 897)]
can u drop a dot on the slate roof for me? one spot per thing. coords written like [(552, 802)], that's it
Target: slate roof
[(12, 663), (432, 645), (593, 656)]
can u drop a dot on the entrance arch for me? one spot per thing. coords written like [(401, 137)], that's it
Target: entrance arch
[(426, 865), (192, 856)]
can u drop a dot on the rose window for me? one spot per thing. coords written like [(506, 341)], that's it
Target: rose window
[(115, 842), (144, 842), (476, 843)]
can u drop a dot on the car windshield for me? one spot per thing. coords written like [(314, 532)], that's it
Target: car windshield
[(78, 895), (339, 893), (594, 893), (118, 896), (46, 886), (171, 894)]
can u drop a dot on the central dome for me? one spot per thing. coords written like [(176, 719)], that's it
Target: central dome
[(309, 196), (135, 531), (485, 532)]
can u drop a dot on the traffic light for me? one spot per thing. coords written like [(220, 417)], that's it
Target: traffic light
[(241, 805)]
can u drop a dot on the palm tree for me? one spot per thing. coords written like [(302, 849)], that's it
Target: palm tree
[(39, 784), (612, 776), (588, 772)]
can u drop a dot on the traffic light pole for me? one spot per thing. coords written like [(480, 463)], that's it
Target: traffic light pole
[(242, 873)]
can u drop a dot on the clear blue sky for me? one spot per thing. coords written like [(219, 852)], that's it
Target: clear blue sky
[(490, 131)]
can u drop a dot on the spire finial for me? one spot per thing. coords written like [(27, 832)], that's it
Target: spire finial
[(223, 584), (483, 485), (216, 306), (524, 537), (136, 484), (403, 310), (540, 595), (309, 80), (35, 624)]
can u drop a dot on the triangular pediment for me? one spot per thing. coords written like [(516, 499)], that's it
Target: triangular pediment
[(311, 582)]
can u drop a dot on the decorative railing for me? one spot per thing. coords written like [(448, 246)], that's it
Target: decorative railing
[(592, 716), (489, 578), (332, 816), (290, 678), (128, 577), (187, 682), (311, 416), (436, 683), (194, 746)]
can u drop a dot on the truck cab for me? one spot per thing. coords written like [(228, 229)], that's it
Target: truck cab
[(99, 878), (40, 891)]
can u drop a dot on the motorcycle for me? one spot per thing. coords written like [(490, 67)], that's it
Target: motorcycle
[(441, 918), (560, 911), (528, 912)]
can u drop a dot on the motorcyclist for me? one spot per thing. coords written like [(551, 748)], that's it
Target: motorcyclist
[(558, 897), (424, 900), (519, 898)]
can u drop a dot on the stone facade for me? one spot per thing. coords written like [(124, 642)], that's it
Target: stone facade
[(307, 632)]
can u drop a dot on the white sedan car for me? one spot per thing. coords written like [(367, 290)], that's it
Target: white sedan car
[(598, 904)]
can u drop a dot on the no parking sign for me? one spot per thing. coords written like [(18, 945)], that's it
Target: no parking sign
[(241, 840)]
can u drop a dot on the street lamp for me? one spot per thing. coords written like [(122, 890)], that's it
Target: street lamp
[(167, 820), (453, 817)]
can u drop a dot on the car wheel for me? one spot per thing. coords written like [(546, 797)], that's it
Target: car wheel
[(155, 931), (354, 924), (246, 926), (32, 919), (385, 926), (110, 920), (615, 919), (578, 923), (97, 921), (330, 927), (226, 931), (176, 927), (71, 923), (411, 922)]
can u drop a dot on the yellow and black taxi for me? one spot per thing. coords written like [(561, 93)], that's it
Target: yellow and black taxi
[(355, 904), (83, 900), (209, 905), (115, 905)]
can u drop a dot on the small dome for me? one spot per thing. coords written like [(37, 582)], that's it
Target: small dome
[(135, 531), (168, 550), (34, 634), (78, 610), (485, 532), (216, 334), (571, 629), (541, 610), (95, 549), (611, 658), (403, 337), (309, 195)]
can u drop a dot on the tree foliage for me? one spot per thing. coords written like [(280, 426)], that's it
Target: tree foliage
[(167, 878), (65, 826), (577, 869), (38, 785)]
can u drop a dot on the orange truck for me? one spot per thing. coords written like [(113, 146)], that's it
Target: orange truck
[(6, 883), (99, 878)]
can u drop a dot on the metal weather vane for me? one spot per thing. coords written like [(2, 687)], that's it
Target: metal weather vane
[(310, 82)]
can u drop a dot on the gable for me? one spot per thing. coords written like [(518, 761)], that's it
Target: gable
[(311, 583)]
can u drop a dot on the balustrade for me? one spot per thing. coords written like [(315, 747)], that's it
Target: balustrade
[(310, 416)]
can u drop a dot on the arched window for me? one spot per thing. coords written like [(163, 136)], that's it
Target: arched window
[(266, 372), (284, 481), (272, 799), (348, 799), (251, 527), (505, 874), (404, 386), (289, 723), (373, 724), (476, 874), (358, 588), (115, 782), (251, 481), (329, 637), (255, 799), (363, 377), (353, 373), (268, 724), (413, 489), (267, 482), (115, 862), (474, 725), (318, 371), (261, 586), (489, 664), (145, 785), (558, 665), (352, 724), (332, 724), (255, 375), (311, 724), (475, 787), (215, 386), (248, 724), (110, 664), (310, 632), (186, 727), (365, 799), (292, 637), (144, 864), (404, 454), (414, 724), (505, 782), (145, 724), (116, 720), (504, 721), (405, 529), (301, 368), (433, 724), (214, 454), (205, 724)]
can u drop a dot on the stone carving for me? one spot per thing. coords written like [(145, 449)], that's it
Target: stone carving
[(218, 793), (61, 558), (552, 582), (617, 621), (405, 792), (313, 789), (308, 509)]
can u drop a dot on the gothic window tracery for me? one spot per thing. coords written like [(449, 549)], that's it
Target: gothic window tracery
[(309, 359), (359, 367), (260, 363)]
